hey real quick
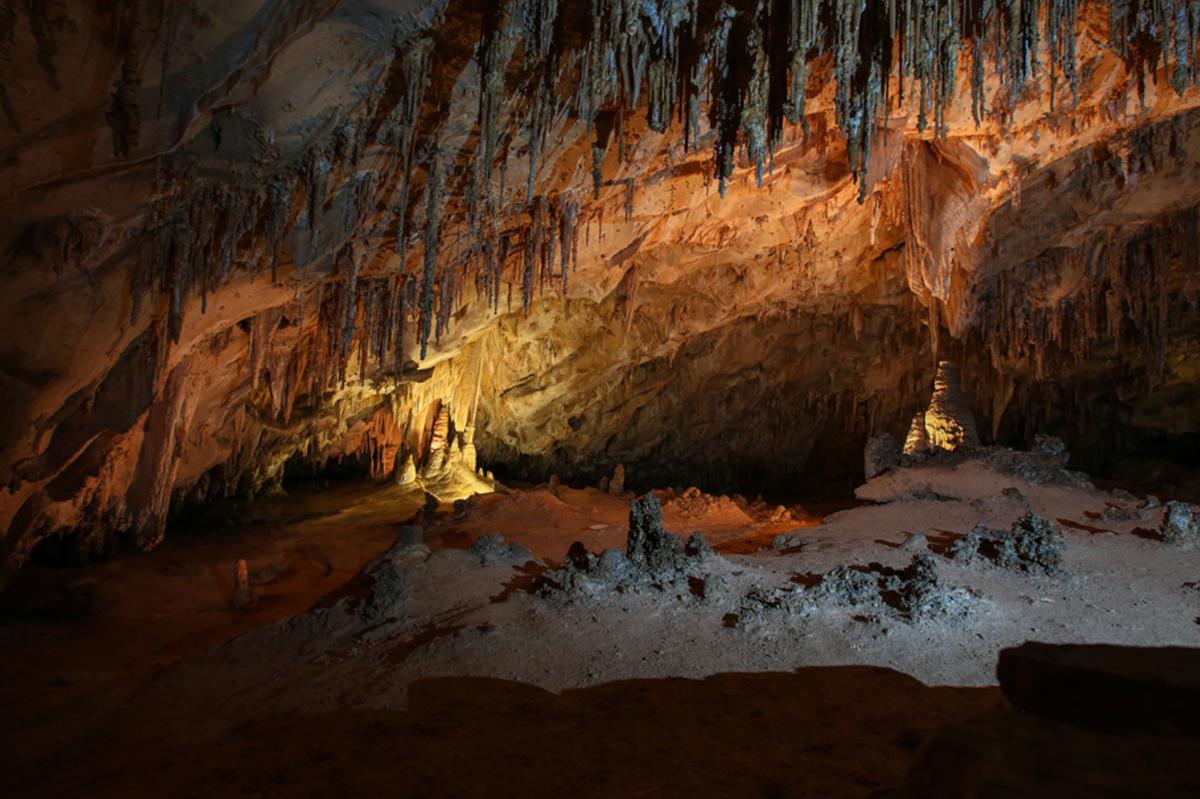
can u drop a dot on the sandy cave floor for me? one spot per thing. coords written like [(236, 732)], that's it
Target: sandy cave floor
[(465, 675)]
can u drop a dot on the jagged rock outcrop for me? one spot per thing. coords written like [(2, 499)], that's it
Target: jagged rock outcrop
[(264, 238)]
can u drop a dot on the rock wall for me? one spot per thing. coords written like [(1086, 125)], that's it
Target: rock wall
[(665, 235)]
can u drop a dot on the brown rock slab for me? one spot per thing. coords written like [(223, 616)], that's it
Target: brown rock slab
[(1107, 688)]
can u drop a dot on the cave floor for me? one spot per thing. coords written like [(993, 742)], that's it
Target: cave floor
[(464, 676)]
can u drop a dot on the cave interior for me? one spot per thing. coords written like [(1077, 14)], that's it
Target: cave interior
[(605, 389)]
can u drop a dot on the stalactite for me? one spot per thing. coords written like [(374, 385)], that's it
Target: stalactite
[(281, 213), (568, 240), (317, 177), (535, 243), (433, 213), (125, 115), (416, 66), (43, 36), (1124, 291), (725, 114), (8, 25), (407, 296)]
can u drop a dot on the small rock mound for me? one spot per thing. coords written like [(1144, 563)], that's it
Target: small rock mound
[(1179, 525), (921, 593), (846, 585), (1045, 464), (652, 557), (490, 550), (914, 593), (1032, 545)]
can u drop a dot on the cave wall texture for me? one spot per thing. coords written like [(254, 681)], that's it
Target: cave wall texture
[(717, 242)]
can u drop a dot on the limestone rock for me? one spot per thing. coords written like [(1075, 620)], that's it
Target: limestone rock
[(406, 473), (616, 486), (949, 423), (1180, 526), (917, 440), (439, 444), (243, 593), (880, 454), (650, 546)]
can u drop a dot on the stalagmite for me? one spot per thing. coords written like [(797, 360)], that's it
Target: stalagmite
[(406, 470), (616, 486), (243, 593), (433, 213), (949, 423), (439, 444), (916, 441)]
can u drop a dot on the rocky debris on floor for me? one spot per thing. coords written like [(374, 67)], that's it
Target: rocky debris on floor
[(762, 605), (653, 557), (914, 593), (921, 593), (1125, 507), (490, 550), (1032, 545), (695, 503), (792, 542), (881, 453), (1179, 525), (1045, 464), (847, 585)]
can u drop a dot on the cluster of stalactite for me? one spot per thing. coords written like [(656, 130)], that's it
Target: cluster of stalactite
[(756, 55), (370, 423), (196, 232), (748, 61), (750, 71), (1121, 290)]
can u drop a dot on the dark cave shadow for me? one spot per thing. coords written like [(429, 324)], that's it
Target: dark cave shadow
[(527, 580), (1146, 533), (940, 544), (1083, 528), (846, 731)]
